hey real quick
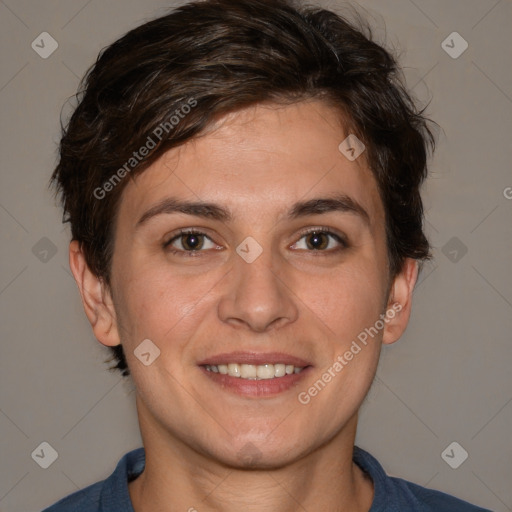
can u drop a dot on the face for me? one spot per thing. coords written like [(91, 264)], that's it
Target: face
[(257, 248)]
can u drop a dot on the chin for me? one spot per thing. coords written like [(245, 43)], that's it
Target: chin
[(258, 454)]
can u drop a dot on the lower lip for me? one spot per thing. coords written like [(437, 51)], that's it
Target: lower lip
[(257, 388)]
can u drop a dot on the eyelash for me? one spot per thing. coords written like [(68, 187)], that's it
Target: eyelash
[(195, 253)]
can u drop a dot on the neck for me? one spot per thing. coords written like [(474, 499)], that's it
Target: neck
[(177, 477)]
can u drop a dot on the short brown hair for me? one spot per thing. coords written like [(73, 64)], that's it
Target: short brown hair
[(216, 57)]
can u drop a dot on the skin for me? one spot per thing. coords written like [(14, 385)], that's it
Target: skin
[(311, 303)]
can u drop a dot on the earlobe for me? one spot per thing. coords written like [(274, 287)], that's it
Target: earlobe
[(96, 298), (399, 305)]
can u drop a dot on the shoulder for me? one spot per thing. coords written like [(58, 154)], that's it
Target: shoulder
[(87, 499), (396, 494), (432, 500), (109, 495)]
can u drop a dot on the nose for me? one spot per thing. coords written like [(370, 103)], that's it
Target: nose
[(257, 295)]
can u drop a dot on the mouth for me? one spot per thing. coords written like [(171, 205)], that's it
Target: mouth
[(255, 374)]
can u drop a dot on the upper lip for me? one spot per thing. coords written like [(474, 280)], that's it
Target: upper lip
[(255, 358)]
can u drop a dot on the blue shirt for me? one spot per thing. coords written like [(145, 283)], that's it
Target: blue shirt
[(391, 494)]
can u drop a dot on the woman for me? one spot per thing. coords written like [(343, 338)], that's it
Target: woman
[(242, 180)]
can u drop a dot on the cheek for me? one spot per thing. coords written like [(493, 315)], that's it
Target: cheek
[(159, 304), (348, 300), (346, 306)]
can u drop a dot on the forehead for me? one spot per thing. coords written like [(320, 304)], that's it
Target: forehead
[(256, 162)]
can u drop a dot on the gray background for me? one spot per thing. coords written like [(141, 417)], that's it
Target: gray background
[(448, 379)]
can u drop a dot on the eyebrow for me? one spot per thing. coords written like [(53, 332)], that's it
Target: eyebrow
[(338, 203)]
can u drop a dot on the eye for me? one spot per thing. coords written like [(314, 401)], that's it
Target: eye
[(320, 239), (189, 241)]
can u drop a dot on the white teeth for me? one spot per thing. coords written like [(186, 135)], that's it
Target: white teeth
[(280, 370), (254, 372), (265, 371), (248, 371), (234, 370)]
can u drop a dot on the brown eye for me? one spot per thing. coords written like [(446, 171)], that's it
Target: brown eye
[(189, 242), (321, 240), (192, 241), (317, 241)]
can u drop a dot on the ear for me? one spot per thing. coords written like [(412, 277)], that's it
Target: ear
[(96, 298), (398, 309)]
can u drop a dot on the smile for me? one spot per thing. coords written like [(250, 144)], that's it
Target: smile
[(254, 372)]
